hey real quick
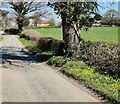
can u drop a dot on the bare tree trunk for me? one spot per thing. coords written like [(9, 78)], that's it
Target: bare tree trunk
[(71, 37)]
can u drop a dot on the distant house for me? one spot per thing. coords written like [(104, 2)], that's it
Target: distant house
[(97, 23), (43, 23)]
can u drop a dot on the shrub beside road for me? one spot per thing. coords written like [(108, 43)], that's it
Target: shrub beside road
[(99, 80), (106, 85)]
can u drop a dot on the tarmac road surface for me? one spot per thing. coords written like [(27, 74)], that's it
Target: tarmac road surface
[(25, 80)]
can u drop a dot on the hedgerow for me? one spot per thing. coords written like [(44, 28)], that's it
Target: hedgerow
[(104, 57), (58, 61), (105, 85), (13, 31), (44, 43), (101, 55)]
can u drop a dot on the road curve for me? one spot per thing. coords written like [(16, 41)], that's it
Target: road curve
[(25, 80)]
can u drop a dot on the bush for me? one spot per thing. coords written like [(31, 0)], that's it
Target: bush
[(44, 43), (101, 55), (50, 44), (105, 85), (74, 64), (30, 34), (58, 61), (11, 31), (36, 51)]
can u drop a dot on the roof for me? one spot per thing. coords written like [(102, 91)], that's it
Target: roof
[(43, 22)]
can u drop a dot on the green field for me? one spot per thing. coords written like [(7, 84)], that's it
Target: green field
[(108, 34), (51, 32)]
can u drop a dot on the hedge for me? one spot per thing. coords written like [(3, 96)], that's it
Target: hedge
[(102, 55), (106, 85), (44, 43), (50, 44), (13, 31)]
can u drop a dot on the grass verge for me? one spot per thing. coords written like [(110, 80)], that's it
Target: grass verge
[(35, 50), (105, 85)]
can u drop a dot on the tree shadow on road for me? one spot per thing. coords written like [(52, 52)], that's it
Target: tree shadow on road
[(18, 54)]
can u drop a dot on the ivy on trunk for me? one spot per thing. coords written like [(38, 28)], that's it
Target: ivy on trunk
[(71, 37), (75, 16)]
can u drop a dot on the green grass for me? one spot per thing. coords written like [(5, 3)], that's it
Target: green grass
[(27, 43), (30, 46), (105, 85), (34, 48), (108, 34), (51, 32)]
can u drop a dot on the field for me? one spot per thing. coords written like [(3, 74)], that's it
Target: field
[(51, 32), (108, 34)]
